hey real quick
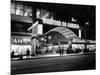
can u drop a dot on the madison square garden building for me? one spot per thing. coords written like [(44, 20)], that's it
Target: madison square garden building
[(44, 28)]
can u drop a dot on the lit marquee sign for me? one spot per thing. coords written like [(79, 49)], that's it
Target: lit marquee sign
[(72, 25), (20, 41), (59, 23)]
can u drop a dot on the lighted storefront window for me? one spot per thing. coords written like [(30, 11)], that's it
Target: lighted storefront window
[(12, 8), (78, 46), (91, 47), (20, 44), (18, 49)]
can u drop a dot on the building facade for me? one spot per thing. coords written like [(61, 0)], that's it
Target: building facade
[(29, 23)]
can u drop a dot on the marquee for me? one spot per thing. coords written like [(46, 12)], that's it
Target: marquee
[(60, 23)]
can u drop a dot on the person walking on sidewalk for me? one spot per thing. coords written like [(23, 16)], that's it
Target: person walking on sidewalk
[(21, 54), (60, 52), (27, 53), (12, 54)]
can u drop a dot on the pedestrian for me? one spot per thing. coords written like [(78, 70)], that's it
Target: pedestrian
[(36, 50), (60, 52), (21, 54), (12, 54), (27, 53)]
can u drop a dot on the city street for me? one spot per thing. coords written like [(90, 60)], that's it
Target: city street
[(42, 31), (54, 64)]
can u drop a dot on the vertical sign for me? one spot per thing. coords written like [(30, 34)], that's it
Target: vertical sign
[(40, 29), (35, 29)]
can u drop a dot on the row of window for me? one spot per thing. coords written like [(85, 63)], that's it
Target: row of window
[(44, 14), (25, 10), (20, 9)]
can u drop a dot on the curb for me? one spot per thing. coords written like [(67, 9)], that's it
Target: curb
[(49, 56)]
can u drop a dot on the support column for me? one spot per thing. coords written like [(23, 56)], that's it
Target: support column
[(70, 44), (33, 50)]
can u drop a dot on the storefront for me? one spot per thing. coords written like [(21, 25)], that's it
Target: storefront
[(29, 20), (20, 44), (61, 38)]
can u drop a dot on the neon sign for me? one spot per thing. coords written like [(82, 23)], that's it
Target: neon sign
[(59, 23)]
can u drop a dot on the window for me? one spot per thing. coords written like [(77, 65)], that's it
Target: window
[(12, 8), (27, 11), (41, 13), (20, 27), (44, 14), (38, 13), (19, 9)]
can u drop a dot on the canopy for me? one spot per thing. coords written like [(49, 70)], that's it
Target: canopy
[(60, 34)]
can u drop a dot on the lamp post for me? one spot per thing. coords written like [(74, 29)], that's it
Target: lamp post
[(86, 24), (34, 32)]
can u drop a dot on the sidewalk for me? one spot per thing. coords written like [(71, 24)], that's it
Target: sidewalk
[(47, 55)]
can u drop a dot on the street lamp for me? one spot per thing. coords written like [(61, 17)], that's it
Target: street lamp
[(49, 37), (73, 19), (86, 24)]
